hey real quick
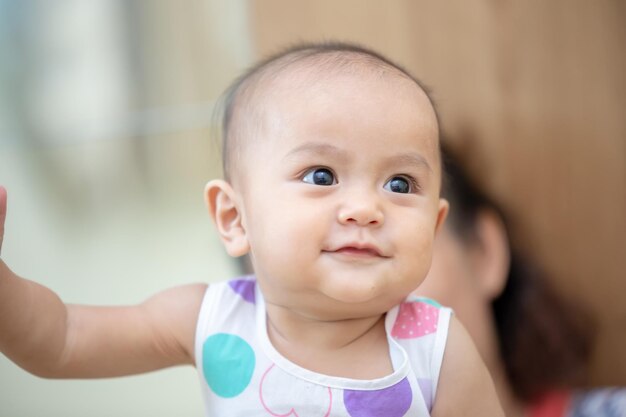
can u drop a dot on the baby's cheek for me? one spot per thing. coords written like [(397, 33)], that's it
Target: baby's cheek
[(419, 258)]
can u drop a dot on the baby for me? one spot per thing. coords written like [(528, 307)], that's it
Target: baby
[(332, 180)]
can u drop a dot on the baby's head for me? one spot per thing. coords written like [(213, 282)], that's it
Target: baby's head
[(299, 68), (331, 156)]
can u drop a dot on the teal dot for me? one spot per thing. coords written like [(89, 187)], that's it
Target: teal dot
[(428, 301), (227, 363)]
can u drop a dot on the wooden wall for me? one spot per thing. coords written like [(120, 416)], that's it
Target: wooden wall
[(537, 92)]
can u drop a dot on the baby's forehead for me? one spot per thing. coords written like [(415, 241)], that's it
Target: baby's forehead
[(306, 74), (299, 77), (313, 102), (286, 88)]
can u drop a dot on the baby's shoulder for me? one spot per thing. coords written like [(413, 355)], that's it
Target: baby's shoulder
[(241, 289), (227, 302), (464, 382)]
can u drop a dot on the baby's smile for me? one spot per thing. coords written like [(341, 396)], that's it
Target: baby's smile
[(357, 251)]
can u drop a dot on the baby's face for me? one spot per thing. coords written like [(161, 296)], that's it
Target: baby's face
[(339, 194)]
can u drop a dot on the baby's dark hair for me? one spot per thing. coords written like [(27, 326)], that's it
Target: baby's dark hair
[(326, 57), (545, 341)]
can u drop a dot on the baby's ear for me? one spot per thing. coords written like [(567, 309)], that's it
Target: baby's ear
[(221, 200), (442, 213)]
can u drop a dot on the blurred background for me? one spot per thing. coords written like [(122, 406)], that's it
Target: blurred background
[(105, 147)]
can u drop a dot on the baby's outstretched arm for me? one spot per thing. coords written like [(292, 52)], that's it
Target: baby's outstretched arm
[(51, 339), (465, 387)]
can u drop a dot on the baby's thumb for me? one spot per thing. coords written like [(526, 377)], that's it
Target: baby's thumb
[(3, 213)]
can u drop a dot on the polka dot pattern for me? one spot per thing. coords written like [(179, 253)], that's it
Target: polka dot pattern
[(283, 395), (426, 387), (245, 288), (393, 401), (228, 363), (415, 319)]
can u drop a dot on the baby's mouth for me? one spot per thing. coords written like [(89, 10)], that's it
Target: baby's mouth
[(354, 251), (363, 251)]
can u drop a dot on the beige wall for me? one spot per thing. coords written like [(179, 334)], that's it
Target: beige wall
[(540, 90)]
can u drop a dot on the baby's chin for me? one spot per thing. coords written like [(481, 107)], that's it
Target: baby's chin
[(371, 284), (366, 300), (347, 311)]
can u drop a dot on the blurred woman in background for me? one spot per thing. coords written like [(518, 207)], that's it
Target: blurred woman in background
[(536, 344)]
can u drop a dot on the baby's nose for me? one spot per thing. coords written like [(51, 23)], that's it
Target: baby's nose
[(363, 210)]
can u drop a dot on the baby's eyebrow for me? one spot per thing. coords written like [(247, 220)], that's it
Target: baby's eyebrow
[(319, 149), (409, 158), (331, 151)]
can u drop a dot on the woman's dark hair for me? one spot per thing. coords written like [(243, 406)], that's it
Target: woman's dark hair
[(545, 340)]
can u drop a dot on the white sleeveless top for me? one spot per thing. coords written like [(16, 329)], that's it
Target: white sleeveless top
[(243, 375)]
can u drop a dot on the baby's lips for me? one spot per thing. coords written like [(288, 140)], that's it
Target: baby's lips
[(350, 250), (358, 248)]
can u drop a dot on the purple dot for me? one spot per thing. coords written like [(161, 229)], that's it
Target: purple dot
[(393, 401), (245, 288), (426, 386)]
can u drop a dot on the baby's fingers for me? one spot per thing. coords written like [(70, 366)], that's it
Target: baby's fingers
[(3, 212)]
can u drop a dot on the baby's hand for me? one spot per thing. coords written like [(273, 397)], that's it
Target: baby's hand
[(3, 213)]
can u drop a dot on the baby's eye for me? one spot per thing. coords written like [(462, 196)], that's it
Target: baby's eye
[(319, 176), (399, 185)]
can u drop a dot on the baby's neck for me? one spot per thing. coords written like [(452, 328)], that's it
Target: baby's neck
[(355, 348)]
